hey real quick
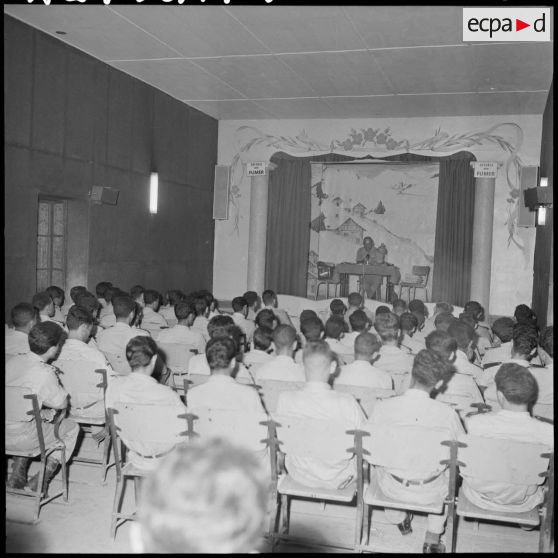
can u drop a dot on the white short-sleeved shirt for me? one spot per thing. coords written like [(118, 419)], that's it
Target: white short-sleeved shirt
[(412, 345), (348, 340), (513, 426), (398, 363), (465, 366), (108, 320), (152, 319), (183, 335), (362, 373), (247, 326), (337, 347), (16, 342), (318, 401), (200, 324), (257, 357), (281, 367), (114, 339)]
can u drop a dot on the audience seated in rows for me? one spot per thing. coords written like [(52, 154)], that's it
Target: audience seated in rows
[(183, 333), (152, 320), (261, 351), (172, 298)]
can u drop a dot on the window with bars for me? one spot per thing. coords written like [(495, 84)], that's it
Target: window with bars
[(51, 244)]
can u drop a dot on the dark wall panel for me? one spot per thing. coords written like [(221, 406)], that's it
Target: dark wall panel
[(119, 137), (202, 140), (142, 121)]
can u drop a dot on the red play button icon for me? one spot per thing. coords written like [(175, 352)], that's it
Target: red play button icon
[(519, 25)]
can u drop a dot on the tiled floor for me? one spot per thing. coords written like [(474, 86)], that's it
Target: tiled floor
[(82, 525)]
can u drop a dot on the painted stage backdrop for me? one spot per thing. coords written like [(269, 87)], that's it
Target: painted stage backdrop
[(395, 204)]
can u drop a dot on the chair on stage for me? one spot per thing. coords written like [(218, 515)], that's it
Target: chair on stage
[(326, 275), (422, 273)]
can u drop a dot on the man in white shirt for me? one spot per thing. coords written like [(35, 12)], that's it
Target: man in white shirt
[(221, 391), (201, 321), (183, 332), (254, 302), (395, 361), (409, 325), (312, 329), (24, 317), (269, 299), (113, 340), (33, 371), (43, 303), (283, 366), (503, 330), (101, 290), (360, 323), (416, 408), (261, 351), (333, 334), (516, 390), (465, 336), (136, 292), (151, 319), (361, 372), (318, 401), (240, 308)]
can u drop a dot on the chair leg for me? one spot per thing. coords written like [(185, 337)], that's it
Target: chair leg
[(64, 470), (119, 491), (358, 526), (106, 457), (39, 492), (137, 490), (317, 290), (285, 513), (366, 528)]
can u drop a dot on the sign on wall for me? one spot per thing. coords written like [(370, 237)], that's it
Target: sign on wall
[(255, 168)]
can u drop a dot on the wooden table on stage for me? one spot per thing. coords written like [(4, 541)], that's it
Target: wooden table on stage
[(384, 270)]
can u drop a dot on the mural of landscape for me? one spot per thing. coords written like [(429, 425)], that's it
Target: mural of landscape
[(395, 204)]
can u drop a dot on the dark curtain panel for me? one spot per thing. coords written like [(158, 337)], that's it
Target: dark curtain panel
[(453, 244)]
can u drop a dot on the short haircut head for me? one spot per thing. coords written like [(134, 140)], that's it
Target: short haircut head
[(23, 313), (359, 320), (284, 336), (429, 368), (123, 306), (334, 327), (140, 350), (262, 338), (443, 307), (367, 344), (305, 314), (219, 352), (503, 329), (113, 292), (312, 328), (463, 333), (136, 291), (209, 497), (239, 303), (387, 326), (337, 307), (443, 321), (55, 292), (74, 291), (524, 314), (174, 296), (441, 343), (41, 300), (101, 288), (150, 296), (317, 354), (516, 383), (399, 305), (354, 299), (383, 309), (218, 322), (418, 305), (78, 315), (468, 318), (546, 340), (475, 309), (200, 304), (182, 310), (89, 301), (268, 296), (525, 338), (45, 335), (251, 297), (408, 321), (265, 318)]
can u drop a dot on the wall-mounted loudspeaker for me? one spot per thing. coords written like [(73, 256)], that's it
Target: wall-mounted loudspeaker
[(104, 194), (221, 192), (528, 178)]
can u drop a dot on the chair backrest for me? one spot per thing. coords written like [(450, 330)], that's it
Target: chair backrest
[(545, 411), (245, 429), (324, 440), (502, 460), (177, 355), (366, 396), (407, 447), (459, 401), (118, 362), (422, 271), (154, 330), (325, 271), (82, 379), (19, 404), (272, 388)]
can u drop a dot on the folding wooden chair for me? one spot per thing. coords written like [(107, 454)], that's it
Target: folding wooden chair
[(87, 385), (500, 461), (401, 448), (118, 362), (322, 440), (366, 397), (20, 404), (270, 390), (133, 425)]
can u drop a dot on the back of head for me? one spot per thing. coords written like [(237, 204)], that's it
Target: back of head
[(140, 350), (284, 336), (113, 292), (503, 329), (524, 314), (151, 296), (383, 309), (101, 288), (239, 303), (473, 307), (174, 296), (78, 315), (387, 326), (265, 318), (337, 307), (443, 307), (136, 291), (468, 318), (516, 383), (366, 344), (41, 301), (317, 358), (251, 298), (89, 301), (219, 352), (262, 338), (429, 368), (74, 291), (355, 300), (441, 343), (334, 327), (200, 304), (123, 306), (359, 321), (182, 310), (463, 333), (55, 292), (23, 314), (525, 339), (417, 305), (443, 321), (218, 322), (546, 340), (399, 306), (45, 335), (209, 497), (305, 314), (312, 328), (268, 297), (408, 322)]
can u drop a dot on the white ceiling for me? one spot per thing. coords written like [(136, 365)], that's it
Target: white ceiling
[(244, 62)]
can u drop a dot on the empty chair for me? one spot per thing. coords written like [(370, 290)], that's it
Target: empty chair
[(271, 389), (367, 397), (20, 404), (422, 273)]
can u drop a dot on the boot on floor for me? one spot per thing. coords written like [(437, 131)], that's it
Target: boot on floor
[(18, 478), (50, 471)]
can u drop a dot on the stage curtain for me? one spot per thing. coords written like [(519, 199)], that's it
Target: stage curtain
[(451, 281)]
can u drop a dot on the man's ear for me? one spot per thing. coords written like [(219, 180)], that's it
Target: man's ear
[(533, 353), (453, 356), (501, 398), (439, 384), (136, 539)]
